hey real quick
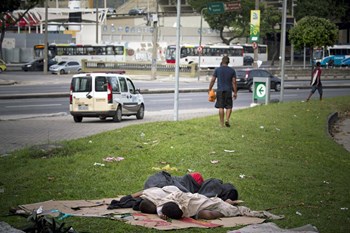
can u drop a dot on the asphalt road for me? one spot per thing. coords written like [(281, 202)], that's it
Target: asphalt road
[(51, 128)]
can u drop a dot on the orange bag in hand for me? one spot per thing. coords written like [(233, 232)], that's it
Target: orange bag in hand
[(212, 96)]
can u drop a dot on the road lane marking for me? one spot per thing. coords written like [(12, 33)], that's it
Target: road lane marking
[(34, 105)]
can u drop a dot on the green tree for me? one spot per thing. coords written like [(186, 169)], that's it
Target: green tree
[(334, 10), (270, 18), (236, 22), (8, 19), (313, 32)]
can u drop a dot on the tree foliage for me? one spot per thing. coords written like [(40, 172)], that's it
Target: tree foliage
[(235, 22), (313, 32), (9, 5), (334, 10), (270, 18)]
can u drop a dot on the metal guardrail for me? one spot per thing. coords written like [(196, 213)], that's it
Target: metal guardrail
[(190, 70)]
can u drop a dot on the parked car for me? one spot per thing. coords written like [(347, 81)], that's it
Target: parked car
[(37, 65), (104, 95), (345, 62), (2, 66), (65, 67), (136, 11), (245, 79)]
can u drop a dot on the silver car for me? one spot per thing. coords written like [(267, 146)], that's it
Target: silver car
[(66, 67)]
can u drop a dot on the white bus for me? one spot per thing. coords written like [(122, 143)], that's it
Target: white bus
[(335, 54), (262, 51), (210, 55), (77, 52)]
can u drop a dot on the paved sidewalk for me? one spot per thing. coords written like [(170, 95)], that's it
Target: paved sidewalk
[(342, 132)]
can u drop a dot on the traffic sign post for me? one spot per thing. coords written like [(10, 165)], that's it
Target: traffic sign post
[(261, 89), (216, 7)]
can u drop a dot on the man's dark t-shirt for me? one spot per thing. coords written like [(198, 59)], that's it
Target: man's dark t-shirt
[(224, 74)]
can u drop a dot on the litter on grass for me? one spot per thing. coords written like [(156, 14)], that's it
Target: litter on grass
[(229, 151), (214, 161), (113, 159), (241, 176), (99, 164), (298, 213), (344, 208), (39, 210), (165, 168)]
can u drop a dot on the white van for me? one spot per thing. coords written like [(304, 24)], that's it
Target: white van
[(104, 95)]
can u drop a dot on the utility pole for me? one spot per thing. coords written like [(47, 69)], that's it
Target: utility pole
[(177, 66), (283, 46), (96, 2), (256, 57), (46, 41), (200, 43), (155, 45)]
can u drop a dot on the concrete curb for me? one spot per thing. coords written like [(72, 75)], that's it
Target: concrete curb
[(143, 91), (330, 122)]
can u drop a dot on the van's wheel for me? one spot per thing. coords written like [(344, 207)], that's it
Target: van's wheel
[(141, 112), (78, 119), (118, 115), (62, 72)]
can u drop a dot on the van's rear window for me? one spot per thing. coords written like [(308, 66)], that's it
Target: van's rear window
[(81, 84)]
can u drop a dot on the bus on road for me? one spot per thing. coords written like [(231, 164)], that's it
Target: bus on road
[(77, 52), (210, 55), (332, 56)]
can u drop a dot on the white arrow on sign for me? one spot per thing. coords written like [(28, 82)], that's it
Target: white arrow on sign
[(261, 90)]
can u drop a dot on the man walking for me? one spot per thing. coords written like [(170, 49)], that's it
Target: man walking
[(226, 84), (316, 82)]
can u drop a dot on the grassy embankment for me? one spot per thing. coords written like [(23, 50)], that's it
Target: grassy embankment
[(289, 164)]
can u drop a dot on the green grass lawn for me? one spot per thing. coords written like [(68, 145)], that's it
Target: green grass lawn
[(289, 163)]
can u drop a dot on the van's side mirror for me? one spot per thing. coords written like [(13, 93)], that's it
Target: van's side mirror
[(138, 91)]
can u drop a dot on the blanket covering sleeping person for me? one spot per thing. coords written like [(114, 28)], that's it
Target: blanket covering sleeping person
[(192, 182)]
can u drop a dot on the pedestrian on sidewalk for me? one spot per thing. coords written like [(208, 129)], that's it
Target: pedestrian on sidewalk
[(226, 86), (315, 82)]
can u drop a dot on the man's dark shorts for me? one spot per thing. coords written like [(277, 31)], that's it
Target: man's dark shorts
[(223, 99), (318, 88)]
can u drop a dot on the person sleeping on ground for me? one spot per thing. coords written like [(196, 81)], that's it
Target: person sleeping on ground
[(192, 182), (171, 202)]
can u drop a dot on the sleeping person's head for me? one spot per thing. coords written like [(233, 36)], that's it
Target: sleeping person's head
[(148, 207), (172, 210)]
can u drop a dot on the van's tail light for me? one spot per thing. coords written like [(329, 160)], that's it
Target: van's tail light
[(246, 75), (109, 93), (242, 52), (71, 94)]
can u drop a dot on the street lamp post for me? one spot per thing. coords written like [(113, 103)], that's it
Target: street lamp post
[(177, 68), (96, 21), (200, 42), (46, 57), (283, 47)]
